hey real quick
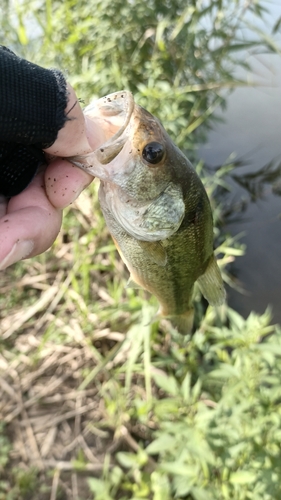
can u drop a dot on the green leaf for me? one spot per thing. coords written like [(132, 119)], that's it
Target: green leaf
[(268, 347), (200, 494), (167, 383), (224, 372), (276, 26), (163, 443), (99, 488), (160, 486), (182, 485), (185, 387), (178, 468), (242, 477), (131, 460)]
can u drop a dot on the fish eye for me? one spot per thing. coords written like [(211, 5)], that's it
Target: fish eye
[(153, 152)]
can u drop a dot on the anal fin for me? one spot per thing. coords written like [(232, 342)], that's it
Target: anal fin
[(211, 284), (132, 284)]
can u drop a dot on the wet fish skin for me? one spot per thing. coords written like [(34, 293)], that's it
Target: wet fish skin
[(187, 252), (159, 215)]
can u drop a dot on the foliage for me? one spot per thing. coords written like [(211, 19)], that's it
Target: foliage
[(170, 51), (215, 423)]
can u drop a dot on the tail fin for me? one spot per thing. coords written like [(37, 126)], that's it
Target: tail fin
[(184, 322)]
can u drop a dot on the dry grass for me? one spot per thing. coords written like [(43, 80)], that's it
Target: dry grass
[(61, 330), (51, 421)]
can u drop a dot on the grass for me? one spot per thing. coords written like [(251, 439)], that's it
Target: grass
[(64, 320), (100, 401)]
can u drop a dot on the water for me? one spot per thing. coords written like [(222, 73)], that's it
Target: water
[(252, 130)]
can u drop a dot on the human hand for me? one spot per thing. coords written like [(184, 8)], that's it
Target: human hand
[(30, 221)]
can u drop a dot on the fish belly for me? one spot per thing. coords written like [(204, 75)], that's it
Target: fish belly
[(172, 282)]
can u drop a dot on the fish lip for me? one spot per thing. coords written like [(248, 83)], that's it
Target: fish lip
[(128, 107), (94, 162)]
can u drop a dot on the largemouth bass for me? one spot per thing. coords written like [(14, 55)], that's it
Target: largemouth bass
[(155, 207)]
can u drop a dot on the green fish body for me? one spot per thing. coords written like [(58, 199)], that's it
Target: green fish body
[(156, 209)]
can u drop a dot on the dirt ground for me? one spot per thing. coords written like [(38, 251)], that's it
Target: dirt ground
[(53, 425)]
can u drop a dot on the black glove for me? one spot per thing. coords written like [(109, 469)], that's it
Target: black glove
[(18, 165), (32, 104)]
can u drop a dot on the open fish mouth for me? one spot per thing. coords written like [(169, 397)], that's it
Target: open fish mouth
[(114, 113)]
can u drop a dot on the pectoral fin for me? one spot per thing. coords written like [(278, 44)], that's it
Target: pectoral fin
[(154, 251), (211, 284)]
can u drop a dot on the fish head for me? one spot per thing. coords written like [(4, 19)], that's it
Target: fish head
[(146, 170), (135, 154), (138, 166)]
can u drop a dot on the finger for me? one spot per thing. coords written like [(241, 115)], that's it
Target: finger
[(64, 182), (30, 225), (81, 133), (72, 137)]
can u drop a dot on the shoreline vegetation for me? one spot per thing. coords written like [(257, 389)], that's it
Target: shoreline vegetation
[(97, 399)]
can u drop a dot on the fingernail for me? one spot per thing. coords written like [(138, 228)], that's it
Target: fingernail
[(20, 250)]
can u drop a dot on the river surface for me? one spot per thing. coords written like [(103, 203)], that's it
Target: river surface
[(252, 130)]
